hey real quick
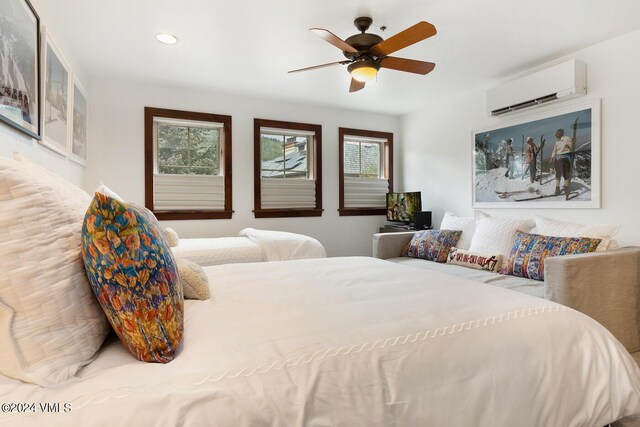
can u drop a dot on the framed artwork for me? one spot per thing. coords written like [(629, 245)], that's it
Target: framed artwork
[(56, 120), (545, 160), (20, 66), (79, 140)]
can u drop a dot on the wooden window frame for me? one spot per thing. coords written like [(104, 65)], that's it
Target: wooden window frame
[(257, 170), (149, 114), (387, 165)]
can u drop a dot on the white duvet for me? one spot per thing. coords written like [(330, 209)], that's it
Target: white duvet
[(252, 246), (218, 250), (282, 246), (356, 342)]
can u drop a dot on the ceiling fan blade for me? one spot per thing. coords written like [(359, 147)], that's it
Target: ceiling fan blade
[(411, 35), (408, 65), (355, 85), (318, 66), (329, 37)]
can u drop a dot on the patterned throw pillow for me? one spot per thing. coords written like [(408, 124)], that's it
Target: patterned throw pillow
[(432, 245), (133, 274), (530, 250), (475, 260)]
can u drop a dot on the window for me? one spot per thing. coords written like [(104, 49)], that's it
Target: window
[(187, 148), (366, 171), (187, 164), (363, 159), (285, 155), (287, 169)]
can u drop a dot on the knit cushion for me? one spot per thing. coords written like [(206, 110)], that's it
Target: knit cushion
[(194, 280), (172, 237)]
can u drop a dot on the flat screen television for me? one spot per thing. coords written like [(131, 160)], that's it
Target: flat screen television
[(402, 207)]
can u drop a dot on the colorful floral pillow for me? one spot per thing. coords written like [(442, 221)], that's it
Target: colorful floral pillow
[(432, 245), (133, 274), (530, 250)]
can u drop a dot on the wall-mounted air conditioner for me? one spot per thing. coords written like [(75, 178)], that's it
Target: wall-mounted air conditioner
[(560, 82)]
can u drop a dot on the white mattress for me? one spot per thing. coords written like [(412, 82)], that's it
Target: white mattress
[(355, 342), (219, 250)]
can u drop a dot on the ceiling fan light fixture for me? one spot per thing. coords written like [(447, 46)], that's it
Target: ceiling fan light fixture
[(364, 71)]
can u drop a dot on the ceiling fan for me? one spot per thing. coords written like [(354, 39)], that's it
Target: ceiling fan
[(366, 53)]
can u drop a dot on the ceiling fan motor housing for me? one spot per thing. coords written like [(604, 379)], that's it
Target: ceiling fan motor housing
[(362, 42)]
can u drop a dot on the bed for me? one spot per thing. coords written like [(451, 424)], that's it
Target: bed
[(252, 245), (355, 341)]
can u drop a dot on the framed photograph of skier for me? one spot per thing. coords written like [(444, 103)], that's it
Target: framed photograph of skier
[(546, 159), (56, 128), (20, 66)]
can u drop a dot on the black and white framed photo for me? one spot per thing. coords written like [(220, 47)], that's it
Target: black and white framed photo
[(79, 141), (549, 159), (56, 117), (20, 66)]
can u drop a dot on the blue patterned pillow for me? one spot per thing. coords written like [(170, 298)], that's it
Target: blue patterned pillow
[(133, 274), (432, 245), (530, 250)]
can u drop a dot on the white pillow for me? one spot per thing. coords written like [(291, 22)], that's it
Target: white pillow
[(172, 237), (551, 227), (497, 235), (50, 321), (466, 224), (103, 189)]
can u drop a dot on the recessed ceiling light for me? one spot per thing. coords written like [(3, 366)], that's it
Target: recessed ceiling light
[(166, 38)]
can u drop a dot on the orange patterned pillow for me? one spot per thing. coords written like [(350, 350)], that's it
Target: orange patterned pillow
[(133, 274)]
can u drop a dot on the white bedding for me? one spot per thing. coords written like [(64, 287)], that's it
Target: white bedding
[(282, 246), (218, 250), (252, 246), (356, 342)]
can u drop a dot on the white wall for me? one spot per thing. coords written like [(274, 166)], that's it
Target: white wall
[(11, 139), (436, 151), (117, 156)]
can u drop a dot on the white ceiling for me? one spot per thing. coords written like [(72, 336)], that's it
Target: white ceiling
[(247, 47)]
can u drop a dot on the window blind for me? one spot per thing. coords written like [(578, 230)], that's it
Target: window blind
[(188, 192), (349, 138), (189, 123), (287, 132), (276, 193), (365, 192)]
